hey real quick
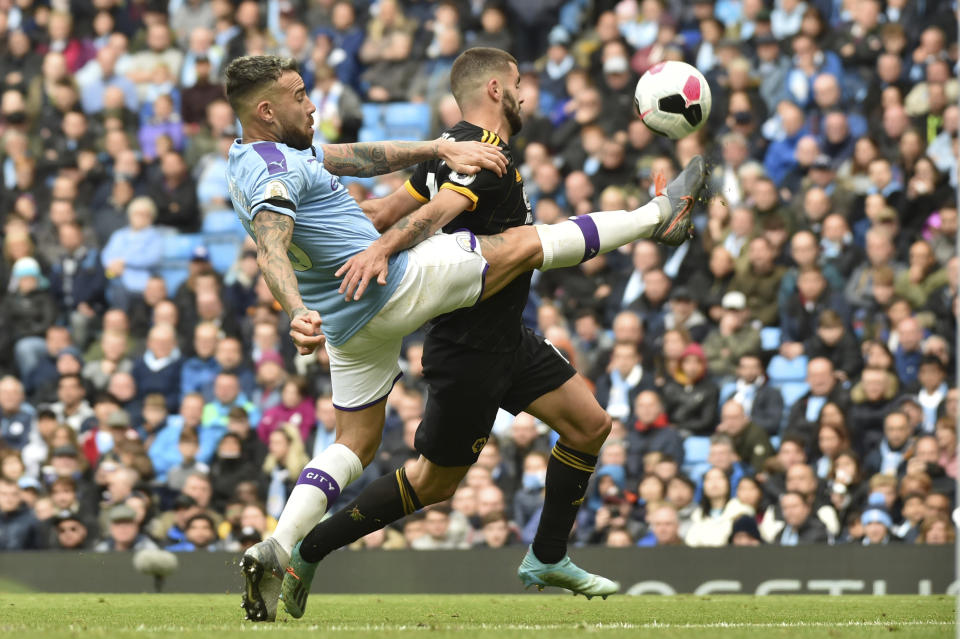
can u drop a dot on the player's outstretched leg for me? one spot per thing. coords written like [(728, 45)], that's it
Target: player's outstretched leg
[(666, 219), (564, 574), (263, 567)]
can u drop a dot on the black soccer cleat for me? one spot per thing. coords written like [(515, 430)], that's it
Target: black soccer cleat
[(682, 193)]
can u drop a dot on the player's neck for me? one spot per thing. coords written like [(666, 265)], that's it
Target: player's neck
[(490, 122), (253, 132)]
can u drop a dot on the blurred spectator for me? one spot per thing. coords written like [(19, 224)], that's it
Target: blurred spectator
[(132, 252), (624, 379), (690, 397), (749, 439), (733, 338), (801, 527), (124, 532), (713, 521), (824, 387), (295, 408), (651, 431), (19, 528)]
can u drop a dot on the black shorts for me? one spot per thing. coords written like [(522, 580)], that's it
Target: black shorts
[(466, 387)]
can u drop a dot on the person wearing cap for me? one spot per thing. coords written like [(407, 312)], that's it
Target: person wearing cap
[(745, 532), (70, 532), (682, 312), (733, 337), (556, 65), (123, 532), (28, 310), (877, 524), (690, 396), (771, 65)]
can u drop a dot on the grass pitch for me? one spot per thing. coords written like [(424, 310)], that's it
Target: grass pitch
[(482, 616)]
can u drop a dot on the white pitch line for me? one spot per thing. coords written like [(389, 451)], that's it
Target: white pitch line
[(654, 625)]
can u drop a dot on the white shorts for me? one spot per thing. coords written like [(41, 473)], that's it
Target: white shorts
[(444, 273)]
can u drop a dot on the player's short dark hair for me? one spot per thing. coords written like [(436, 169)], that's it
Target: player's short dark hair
[(471, 67), (251, 73)]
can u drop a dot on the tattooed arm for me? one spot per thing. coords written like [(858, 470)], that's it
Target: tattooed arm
[(372, 264), (273, 232), (377, 158)]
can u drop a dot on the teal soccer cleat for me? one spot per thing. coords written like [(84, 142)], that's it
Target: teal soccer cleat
[(564, 574), (296, 584)]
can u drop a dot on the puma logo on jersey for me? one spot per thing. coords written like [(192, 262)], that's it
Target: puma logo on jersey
[(281, 163)]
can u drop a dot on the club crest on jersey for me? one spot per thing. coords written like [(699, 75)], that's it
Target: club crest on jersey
[(276, 188), (462, 178), (466, 241)]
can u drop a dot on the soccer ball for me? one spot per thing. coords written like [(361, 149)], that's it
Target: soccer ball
[(673, 99)]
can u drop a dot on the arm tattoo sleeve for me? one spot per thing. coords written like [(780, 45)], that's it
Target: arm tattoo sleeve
[(376, 158), (274, 232)]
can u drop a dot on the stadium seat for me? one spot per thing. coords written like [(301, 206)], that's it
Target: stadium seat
[(695, 452), (222, 222), (223, 254), (407, 120), (770, 338), (371, 134), (180, 246), (372, 114), (727, 391), (791, 392), (782, 370), (173, 276)]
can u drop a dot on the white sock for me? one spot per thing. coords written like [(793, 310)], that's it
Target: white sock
[(581, 238), (317, 489)]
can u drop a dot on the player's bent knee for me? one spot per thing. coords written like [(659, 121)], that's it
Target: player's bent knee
[(588, 434), (365, 449)]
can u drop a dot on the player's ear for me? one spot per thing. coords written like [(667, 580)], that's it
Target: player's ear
[(265, 111), (494, 90)]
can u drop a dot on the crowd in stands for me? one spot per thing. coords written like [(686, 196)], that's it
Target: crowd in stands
[(787, 377)]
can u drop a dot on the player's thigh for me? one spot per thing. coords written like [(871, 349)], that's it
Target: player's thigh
[(510, 254), (363, 371), (563, 401), (464, 388), (444, 273)]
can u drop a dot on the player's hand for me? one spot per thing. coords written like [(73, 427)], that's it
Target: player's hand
[(472, 157), (305, 330), (361, 269)]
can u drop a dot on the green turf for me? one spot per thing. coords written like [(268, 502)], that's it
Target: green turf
[(486, 616)]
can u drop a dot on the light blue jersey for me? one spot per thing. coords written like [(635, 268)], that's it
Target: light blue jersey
[(328, 229)]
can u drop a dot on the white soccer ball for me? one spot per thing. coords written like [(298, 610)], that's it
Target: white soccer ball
[(673, 99)]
